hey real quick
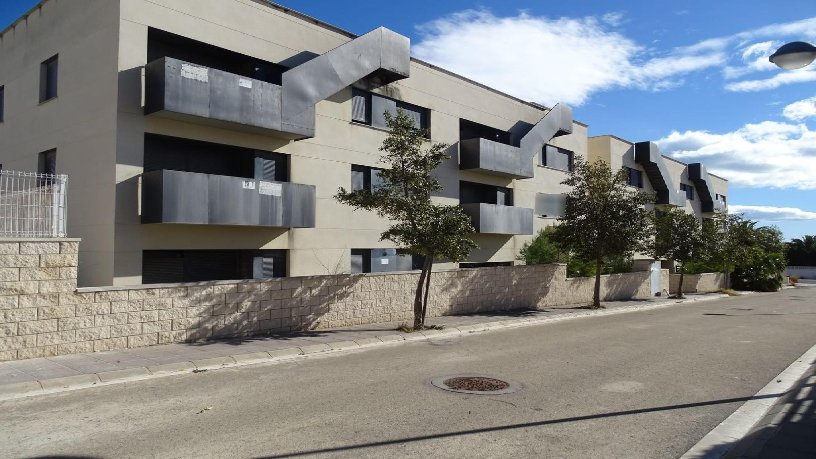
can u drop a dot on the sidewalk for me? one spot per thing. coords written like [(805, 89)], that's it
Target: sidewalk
[(788, 429), (54, 374)]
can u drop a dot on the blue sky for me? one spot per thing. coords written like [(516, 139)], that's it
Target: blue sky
[(691, 75)]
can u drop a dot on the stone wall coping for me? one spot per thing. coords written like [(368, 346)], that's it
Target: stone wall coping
[(34, 239), (120, 288)]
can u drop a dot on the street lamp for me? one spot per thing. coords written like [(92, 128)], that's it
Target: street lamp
[(794, 55)]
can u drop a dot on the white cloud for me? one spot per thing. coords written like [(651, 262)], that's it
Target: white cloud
[(767, 154), (780, 79), (772, 214), (553, 60), (800, 110)]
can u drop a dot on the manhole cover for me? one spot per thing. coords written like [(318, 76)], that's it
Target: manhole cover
[(467, 384)]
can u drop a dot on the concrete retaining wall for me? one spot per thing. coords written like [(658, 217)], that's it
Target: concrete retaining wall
[(42, 313), (697, 283)]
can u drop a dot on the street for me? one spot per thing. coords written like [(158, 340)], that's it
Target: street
[(644, 384)]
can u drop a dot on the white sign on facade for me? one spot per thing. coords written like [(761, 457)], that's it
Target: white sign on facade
[(245, 83), (270, 188), (249, 184), (384, 261), (192, 72)]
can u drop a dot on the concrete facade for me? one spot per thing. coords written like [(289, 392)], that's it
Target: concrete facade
[(42, 313), (98, 125)]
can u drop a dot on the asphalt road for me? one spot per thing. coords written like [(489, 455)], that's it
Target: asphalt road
[(645, 384)]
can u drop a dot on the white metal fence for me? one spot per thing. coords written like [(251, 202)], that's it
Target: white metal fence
[(32, 205)]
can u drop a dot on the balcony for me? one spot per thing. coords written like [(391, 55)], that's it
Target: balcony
[(182, 90), (648, 155), (494, 158), (176, 197), (498, 219)]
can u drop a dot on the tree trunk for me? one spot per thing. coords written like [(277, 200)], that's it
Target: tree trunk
[(596, 296), (682, 276), (427, 289), (418, 300)]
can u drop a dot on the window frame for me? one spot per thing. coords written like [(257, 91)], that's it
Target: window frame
[(570, 154), (46, 158), (639, 175), (368, 176), (688, 190), (45, 78), (2, 103), (400, 104)]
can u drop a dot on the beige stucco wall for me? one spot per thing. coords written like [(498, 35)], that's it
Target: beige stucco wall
[(43, 314), (80, 123)]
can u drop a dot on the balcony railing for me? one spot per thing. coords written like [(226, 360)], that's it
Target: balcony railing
[(191, 198), (494, 158), (498, 219)]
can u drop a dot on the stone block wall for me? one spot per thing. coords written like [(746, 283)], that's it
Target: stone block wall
[(698, 283), (42, 313)]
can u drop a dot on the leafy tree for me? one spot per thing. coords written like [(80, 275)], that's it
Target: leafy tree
[(802, 251), (728, 237), (763, 264), (419, 226), (678, 237), (604, 218)]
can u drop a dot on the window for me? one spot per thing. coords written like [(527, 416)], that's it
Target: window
[(365, 178), (2, 102), (49, 76), (368, 108), (471, 130), (635, 177), (557, 158), (689, 190), (722, 199), (171, 266), (471, 193), (47, 163), (383, 261)]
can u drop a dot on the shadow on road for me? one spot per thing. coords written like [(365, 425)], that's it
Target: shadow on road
[(524, 425)]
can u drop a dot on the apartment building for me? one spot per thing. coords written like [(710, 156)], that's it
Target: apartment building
[(205, 139)]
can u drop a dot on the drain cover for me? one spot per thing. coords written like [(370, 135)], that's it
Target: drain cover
[(482, 385)]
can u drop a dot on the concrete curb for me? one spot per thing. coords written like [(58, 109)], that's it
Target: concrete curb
[(49, 386), (727, 434)]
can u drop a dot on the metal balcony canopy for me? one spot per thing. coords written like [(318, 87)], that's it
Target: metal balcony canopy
[(498, 219), (702, 183), (648, 155), (494, 158)]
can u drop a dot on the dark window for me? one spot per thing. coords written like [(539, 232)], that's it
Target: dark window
[(171, 266), (49, 78), (2, 102), (47, 163), (689, 190), (470, 193), (557, 158), (365, 178), (722, 199), (173, 153), (368, 108), (383, 261), (165, 44), (635, 177), (488, 264), (471, 130)]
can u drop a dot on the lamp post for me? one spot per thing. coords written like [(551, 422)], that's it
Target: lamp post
[(794, 55)]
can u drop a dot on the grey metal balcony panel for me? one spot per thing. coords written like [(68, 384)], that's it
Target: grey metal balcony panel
[(698, 175), (180, 89), (381, 53), (557, 122), (497, 219), (494, 158), (550, 205), (193, 198), (648, 155)]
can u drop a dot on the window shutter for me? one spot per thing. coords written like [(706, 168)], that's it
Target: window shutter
[(359, 107)]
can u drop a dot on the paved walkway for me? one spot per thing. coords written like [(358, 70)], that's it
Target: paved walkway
[(788, 430), (28, 377)]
